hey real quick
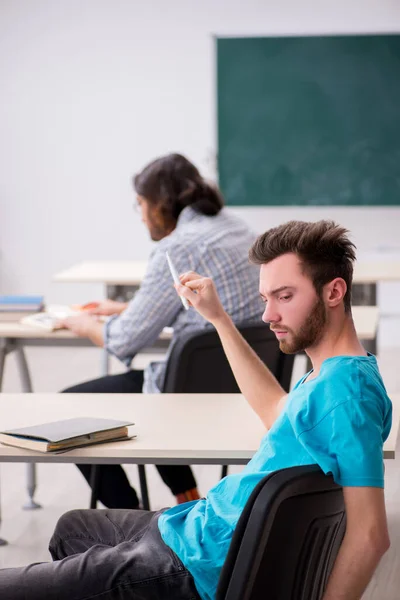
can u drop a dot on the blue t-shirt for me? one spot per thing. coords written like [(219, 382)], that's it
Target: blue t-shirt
[(338, 420)]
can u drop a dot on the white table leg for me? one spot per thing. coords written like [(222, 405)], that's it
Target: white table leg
[(3, 354), (2, 542), (365, 294), (26, 384), (30, 504), (23, 370), (105, 362), (121, 293)]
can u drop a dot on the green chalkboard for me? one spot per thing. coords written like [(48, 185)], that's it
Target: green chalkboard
[(309, 120)]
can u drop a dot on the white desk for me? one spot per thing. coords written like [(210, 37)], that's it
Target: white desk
[(369, 271), (131, 272), (366, 319), (17, 330), (170, 428), (109, 272), (373, 271), (121, 278), (120, 275), (117, 275), (165, 427), (14, 336)]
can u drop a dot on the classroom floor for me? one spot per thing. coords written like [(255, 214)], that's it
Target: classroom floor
[(61, 487)]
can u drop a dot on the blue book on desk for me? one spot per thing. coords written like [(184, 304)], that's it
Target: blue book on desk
[(21, 303)]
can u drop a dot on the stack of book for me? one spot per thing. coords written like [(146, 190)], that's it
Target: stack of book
[(26, 304), (14, 308)]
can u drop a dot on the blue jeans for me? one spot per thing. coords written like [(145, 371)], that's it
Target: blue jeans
[(103, 555)]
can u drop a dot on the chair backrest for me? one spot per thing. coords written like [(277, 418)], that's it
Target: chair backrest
[(197, 362), (287, 538)]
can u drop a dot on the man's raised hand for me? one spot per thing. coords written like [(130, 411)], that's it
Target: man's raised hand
[(201, 293)]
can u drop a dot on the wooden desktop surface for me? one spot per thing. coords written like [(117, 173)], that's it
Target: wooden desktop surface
[(170, 428)]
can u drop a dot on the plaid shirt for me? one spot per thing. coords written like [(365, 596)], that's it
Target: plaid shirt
[(216, 247)]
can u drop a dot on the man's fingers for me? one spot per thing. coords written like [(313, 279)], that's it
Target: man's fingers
[(195, 284), (189, 276), (185, 291), (95, 311), (91, 306), (60, 324)]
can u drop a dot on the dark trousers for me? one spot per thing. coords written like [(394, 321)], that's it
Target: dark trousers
[(115, 490), (103, 555)]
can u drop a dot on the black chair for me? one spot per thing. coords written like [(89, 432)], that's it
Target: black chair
[(287, 538), (197, 364), (197, 361)]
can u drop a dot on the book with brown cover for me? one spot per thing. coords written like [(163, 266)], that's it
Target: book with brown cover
[(66, 434)]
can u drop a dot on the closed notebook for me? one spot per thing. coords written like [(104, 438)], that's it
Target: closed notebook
[(67, 434)]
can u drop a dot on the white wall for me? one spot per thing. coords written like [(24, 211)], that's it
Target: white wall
[(90, 91)]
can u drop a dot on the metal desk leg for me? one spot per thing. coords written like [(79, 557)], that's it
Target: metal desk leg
[(30, 504), (95, 475), (2, 542), (23, 369), (121, 293), (371, 345), (143, 487), (365, 294), (3, 354), (26, 383), (105, 362)]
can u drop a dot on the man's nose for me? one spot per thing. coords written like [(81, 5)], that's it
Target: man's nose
[(270, 315)]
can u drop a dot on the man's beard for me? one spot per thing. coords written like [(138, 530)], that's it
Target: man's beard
[(309, 333)]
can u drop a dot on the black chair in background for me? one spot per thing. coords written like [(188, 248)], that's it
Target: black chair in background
[(197, 364), (287, 538)]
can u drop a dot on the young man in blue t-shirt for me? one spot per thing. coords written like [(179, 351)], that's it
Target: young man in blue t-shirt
[(337, 416)]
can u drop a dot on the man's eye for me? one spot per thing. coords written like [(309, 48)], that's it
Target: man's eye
[(285, 297)]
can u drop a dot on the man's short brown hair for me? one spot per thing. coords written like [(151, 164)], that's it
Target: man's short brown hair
[(323, 248)]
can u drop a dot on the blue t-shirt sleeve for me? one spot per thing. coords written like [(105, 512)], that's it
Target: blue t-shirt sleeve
[(348, 442)]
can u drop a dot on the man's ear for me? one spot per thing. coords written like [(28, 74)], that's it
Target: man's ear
[(335, 291)]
